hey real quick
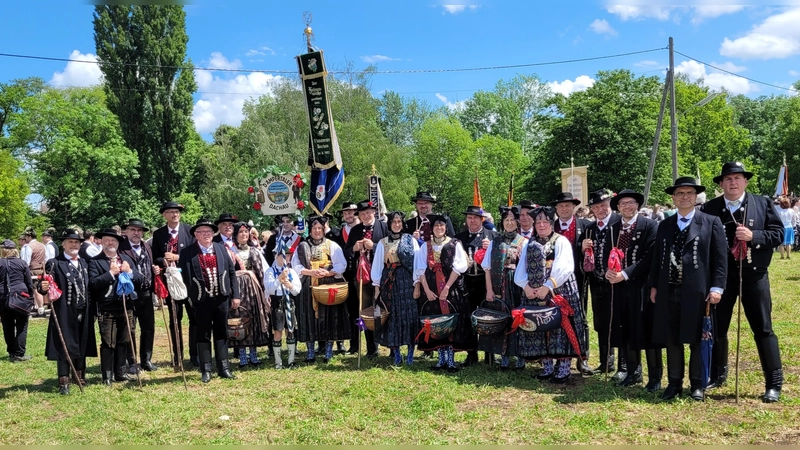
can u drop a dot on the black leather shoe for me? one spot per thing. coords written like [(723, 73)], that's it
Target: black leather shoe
[(436, 368), (122, 376), (291, 365), (352, 351), (717, 382), (310, 360), (472, 358), (453, 369), (697, 394), (631, 380), (107, 381), (148, 366), (561, 380), (671, 392), (543, 377), (771, 396), (226, 373), (205, 377), (653, 386), (584, 369), (619, 376)]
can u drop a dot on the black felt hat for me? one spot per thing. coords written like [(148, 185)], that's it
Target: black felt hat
[(349, 206), (110, 232), (474, 210), (202, 222), (170, 205), (136, 223), (732, 167), (599, 197), (685, 182), (627, 193), (565, 197), (71, 233), (226, 217), (365, 205), (423, 196)]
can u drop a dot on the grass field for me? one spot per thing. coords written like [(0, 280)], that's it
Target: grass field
[(341, 404)]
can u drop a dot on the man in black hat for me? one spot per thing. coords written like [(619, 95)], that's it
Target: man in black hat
[(168, 242), (633, 313), (116, 312), (420, 227), (359, 250), (210, 277), (475, 240), (286, 237), (140, 252), (750, 219), (73, 310), (601, 236), (225, 223), (51, 248), (687, 273), (574, 229), (525, 219)]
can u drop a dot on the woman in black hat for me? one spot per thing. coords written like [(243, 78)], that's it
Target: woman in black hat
[(548, 259), (438, 266), (393, 278), (319, 261), (499, 266), (254, 305)]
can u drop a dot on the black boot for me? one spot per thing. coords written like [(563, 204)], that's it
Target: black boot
[(221, 353), (193, 355), (108, 375), (204, 354), (121, 361), (633, 363), (719, 364), (146, 364), (774, 382), (472, 358), (622, 368), (655, 370), (675, 363)]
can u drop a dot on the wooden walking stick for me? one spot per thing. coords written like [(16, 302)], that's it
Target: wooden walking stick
[(130, 338), (166, 326), (64, 346), (740, 253), (611, 312), (178, 342), (360, 305)]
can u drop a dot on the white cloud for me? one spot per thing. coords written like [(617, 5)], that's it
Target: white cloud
[(648, 63), (715, 80), (776, 37), (794, 73), (377, 58), (78, 73), (451, 105), (219, 61), (602, 27), (222, 99), (699, 10), (729, 66), (260, 51), (631, 11), (567, 87), (455, 9)]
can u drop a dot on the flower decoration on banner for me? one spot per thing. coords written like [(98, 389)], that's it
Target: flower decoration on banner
[(276, 191)]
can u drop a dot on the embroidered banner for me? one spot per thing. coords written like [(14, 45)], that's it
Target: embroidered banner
[(323, 146)]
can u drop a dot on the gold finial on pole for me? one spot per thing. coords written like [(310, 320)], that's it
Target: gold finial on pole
[(374, 170), (308, 31)]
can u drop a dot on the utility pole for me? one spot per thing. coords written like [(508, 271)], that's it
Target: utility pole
[(673, 119), (656, 140)]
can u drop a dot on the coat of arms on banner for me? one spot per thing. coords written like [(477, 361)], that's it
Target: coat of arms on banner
[(312, 64), (278, 192)]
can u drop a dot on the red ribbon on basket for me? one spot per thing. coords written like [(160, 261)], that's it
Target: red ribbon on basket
[(519, 318), (159, 288), (567, 311), (615, 258), (332, 295), (426, 328), (53, 291)]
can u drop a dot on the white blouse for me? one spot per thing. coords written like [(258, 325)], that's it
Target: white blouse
[(421, 259), (337, 259), (563, 265), (377, 261)]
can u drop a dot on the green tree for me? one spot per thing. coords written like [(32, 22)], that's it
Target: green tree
[(536, 102), (610, 128), (11, 97), (13, 190), (400, 118), (488, 113), (82, 168), (149, 84)]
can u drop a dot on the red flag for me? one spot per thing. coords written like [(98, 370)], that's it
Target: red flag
[(476, 194)]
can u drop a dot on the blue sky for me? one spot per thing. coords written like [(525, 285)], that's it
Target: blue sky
[(754, 40)]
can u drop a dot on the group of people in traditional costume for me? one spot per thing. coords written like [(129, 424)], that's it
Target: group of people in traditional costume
[(415, 285)]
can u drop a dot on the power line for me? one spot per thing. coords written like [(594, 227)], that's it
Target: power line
[(382, 72), (736, 74)]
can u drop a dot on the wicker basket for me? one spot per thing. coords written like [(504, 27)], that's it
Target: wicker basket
[(368, 316), (490, 322), (441, 325), (322, 294)]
